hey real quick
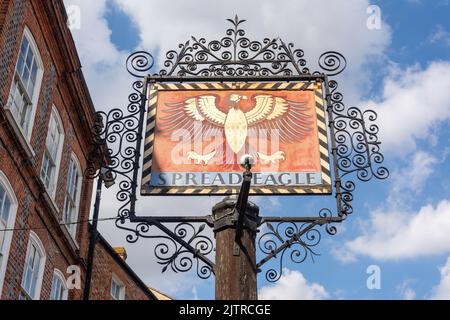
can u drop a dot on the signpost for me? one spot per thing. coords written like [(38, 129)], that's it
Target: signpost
[(235, 117)]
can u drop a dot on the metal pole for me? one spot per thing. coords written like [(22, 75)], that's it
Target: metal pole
[(92, 239), (235, 271)]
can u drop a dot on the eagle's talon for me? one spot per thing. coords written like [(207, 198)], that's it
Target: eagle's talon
[(198, 158), (277, 156)]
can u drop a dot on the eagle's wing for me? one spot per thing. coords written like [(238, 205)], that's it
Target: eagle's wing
[(288, 118), (185, 114)]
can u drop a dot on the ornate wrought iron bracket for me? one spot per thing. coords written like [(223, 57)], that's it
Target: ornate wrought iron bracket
[(117, 137)]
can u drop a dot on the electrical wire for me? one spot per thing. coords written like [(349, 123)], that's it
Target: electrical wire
[(61, 224)]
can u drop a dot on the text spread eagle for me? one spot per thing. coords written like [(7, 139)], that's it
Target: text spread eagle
[(270, 113)]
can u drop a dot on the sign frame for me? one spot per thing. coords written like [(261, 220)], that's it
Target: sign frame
[(324, 188)]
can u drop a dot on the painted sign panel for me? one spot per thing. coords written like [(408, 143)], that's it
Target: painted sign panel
[(197, 133)]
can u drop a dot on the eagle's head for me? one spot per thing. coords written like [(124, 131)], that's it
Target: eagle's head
[(234, 99)]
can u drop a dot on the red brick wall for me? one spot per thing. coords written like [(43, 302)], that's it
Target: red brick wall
[(22, 172)]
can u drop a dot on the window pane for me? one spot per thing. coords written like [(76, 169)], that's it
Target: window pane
[(2, 240), (2, 200), (51, 128), (26, 282), (57, 289), (66, 215), (114, 290), (32, 80), (30, 58), (75, 186), (25, 76), (19, 106), (4, 213), (55, 146), (54, 288), (33, 285), (22, 55), (33, 74), (20, 64), (45, 168), (70, 179), (53, 138), (31, 274), (70, 176), (23, 49), (72, 183), (73, 218)]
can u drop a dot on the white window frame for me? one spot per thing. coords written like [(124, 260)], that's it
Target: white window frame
[(58, 274), (4, 183), (52, 191), (37, 89), (116, 279), (34, 239), (79, 185)]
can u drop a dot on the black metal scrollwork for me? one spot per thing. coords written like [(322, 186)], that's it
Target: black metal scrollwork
[(234, 55), (178, 257), (115, 135), (298, 240), (294, 240), (355, 147), (183, 244)]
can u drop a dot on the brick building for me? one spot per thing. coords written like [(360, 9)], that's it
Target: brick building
[(46, 116), (111, 275)]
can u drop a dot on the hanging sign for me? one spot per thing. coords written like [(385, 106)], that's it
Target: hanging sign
[(197, 133)]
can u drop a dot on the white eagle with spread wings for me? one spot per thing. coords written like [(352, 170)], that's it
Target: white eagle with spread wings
[(288, 118)]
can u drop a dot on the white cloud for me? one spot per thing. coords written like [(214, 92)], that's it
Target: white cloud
[(405, 290), (326, 26), (102, 63), (343, 254), (440, 36), (411, 179), (396, 234), (314, 26), (394, 231), (413, 103), (293, 286), (413, 176), (442, 290), (194, 293), (409, 294)]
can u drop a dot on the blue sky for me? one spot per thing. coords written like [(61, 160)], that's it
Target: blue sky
[(402, 71)]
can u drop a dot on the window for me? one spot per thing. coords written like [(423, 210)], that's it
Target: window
[(52, 153), (8, 209), (5, 205), (26, 83), (33, 269), (117, 289), (59, 287), (72, 199)]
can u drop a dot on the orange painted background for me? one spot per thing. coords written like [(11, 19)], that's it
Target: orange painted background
[(301, 156)]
